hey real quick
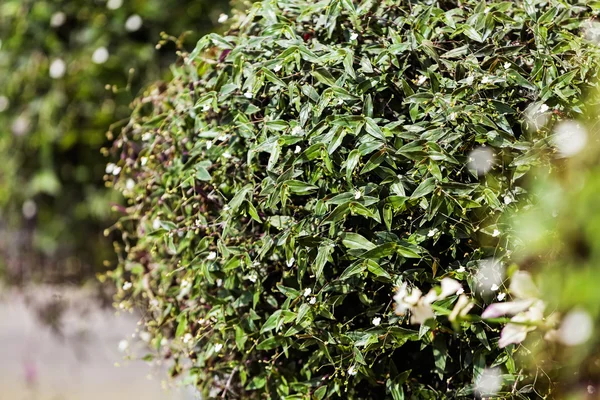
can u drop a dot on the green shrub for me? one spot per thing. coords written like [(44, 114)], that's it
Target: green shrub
[(321, 154), (56, 59)]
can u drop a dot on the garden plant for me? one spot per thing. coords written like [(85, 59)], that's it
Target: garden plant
[(318, 202)]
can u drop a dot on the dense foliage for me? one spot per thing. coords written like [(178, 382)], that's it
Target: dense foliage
[(299, 169), (57, 58)]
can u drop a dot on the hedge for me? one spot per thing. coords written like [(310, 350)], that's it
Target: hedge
[(57, 59), (316, 202)]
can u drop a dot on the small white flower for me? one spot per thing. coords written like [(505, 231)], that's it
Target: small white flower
[(376, 321), (209, 144), (248, 95), (452, 116), (226, 207), (307, 292), (133, 23), (219, 282), (127, 285), (469, 80), (100, 55), (227, 155), (206, 107), (297, 130), (211, 256), (114, 4), (252, 278), (494, 287), (57, 69), (117, 171), (130, 184), (218, 347), (58, 18), (485, 80), (277, 68), (4, 103), (543, 108), (110, 167), (421, 80), (290, 262), (297, 150), (460, 291), (501, 296), (354, 36), (123, 345), (461, 269), (507, 200), (312, 300), (144, 161), (352, 370), (357, 194), (449, 287), (187, 338), (432, 232), (223, 18), (496, 233), (507, 65)]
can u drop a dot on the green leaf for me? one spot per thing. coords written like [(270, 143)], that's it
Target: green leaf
[(355, 241), (373, 129), (383, 250), (424, 188)]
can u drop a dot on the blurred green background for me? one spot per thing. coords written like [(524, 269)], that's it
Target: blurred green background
[(68, 70)]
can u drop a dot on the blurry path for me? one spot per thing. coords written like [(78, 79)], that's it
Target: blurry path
[(36, 364)]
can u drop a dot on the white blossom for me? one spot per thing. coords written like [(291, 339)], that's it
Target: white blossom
[(307, 292), (576, 328), (187, 338), (297, 150), (352, 370), (57, 69), (100, 55), (218, 347), (248, 95), (133, 23), (127, 285), (421, 80), (496, 233), (4, 103), (312, 300), (376, 321), (57, 19), (277, 68), (357, 194), (123, 345), (570, 138), (354, 36), (211, 256), (223, 18), (114, 4)]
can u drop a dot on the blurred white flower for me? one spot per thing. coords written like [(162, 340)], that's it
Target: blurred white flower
[(20, 126), (421, 80), (290, 262), (297, 150), (486, 79), (432, 232), (29, 209), (496, 233), (481, 160), (570, 138), (223, 18), (461, 308), (449, 287), (376, 321), (527, 309), (211, 256), (114, 4), (488, 383), (307, 292), (507, 200), (123, 345), (297, 130), (133, 23), (100, 55), (277, 68), (490, 273), (507, 65), (248, 95), (354, 36), (130, 184), (57, 19), (312, 300), (501, 296), (352, 370), (576, 328), (494, 287), (4, 103), (544, 108), (187, 338), (357, 194), (218, 347), (127, 285)]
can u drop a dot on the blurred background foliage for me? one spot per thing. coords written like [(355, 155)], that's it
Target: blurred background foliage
[(557, 239), (68, 70)]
